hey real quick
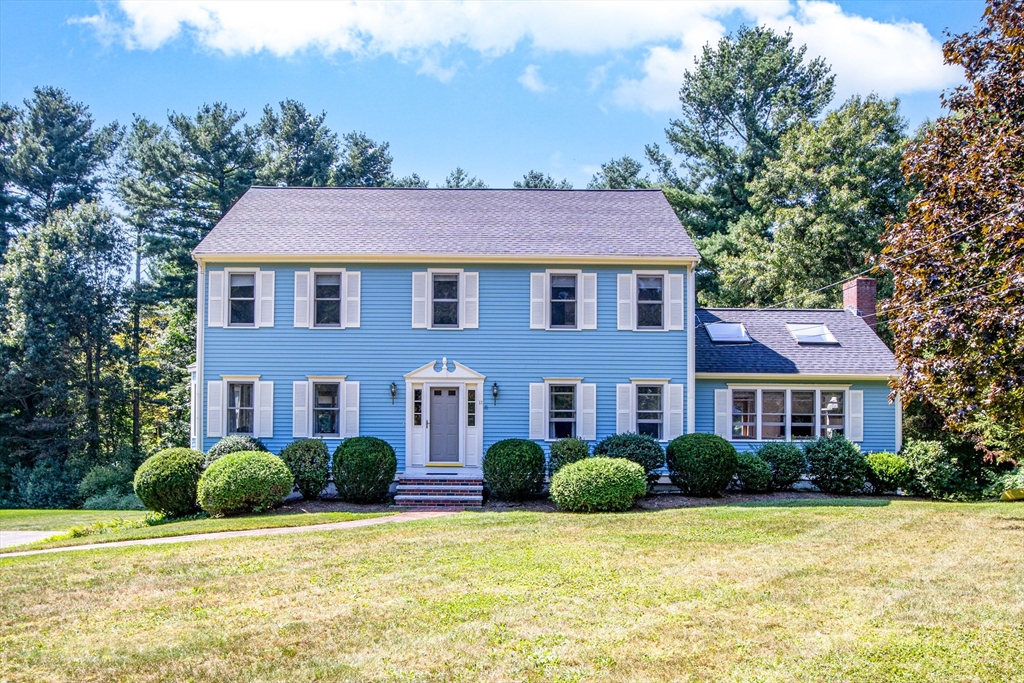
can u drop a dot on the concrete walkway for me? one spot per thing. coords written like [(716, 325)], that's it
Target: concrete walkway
[(9, 538), (219, 535)]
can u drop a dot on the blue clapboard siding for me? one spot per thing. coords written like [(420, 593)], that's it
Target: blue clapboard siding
[(385, 347), (879, 414)]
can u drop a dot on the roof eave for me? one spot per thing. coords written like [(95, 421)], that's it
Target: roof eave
[(447, 258), (825, 376)]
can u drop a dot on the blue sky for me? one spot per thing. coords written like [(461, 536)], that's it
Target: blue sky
[(498, 88)]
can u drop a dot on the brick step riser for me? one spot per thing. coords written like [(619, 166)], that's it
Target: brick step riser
[(440, 480), (417, 501), (443, 490)]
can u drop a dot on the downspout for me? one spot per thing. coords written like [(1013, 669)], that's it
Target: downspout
[(200, 329), (691, 361)]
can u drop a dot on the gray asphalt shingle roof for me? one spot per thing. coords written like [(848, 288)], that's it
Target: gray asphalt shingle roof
[(774, 350), (409, 222)]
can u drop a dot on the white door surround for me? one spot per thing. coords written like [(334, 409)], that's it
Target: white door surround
[(469, 387)]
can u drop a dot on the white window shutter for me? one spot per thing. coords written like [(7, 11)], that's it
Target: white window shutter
[(623, 408), (215, 307), (588, 412), (351, 299), (855, 432), (300, 409), (265, 406), (215, 408), (265, 309), (589, 301), (675, 302), (470, 300), (537, 417), (538, 308), (722, 413), (419, 299), (351, 390), (301, 316), (625, 299), (675, 411)]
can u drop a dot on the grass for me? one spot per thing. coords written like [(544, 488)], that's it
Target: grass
[(172, 528), (904, 591), (59, 520)]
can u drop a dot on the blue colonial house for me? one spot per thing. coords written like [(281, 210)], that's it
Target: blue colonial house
[(444, 320)]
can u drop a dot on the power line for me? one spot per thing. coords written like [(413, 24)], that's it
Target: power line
[(890, 260)]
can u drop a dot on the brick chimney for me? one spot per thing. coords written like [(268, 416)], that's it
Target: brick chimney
[(859, 296)]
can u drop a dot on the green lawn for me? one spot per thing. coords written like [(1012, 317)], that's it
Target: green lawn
[(59, 520), (864, 591), (170, 528)]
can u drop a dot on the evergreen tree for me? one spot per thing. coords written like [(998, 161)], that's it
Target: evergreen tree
[(296, 148), (535, 180), (620, 174), (460, 180), (412, 180), (364, 163), (10, 200)]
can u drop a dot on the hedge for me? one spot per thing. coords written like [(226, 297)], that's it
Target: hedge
[(836, 465), (753, 473), (787, 462), (598, 485)]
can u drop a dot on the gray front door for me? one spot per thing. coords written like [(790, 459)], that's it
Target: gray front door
[(444, 425)]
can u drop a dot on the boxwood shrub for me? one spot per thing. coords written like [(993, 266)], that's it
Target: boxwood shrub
[(753, 473), (514, 469), (701, 464), (598, 485), (640, 448), (236, 443), (247, 481), (307, 459), (787, 462), (836, 465), (566, 451), (364, 467), (888, 472), (167, 481)]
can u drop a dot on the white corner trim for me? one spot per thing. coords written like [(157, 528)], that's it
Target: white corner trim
[(691, 359)]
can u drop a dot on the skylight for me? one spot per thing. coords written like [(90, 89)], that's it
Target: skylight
[(811, 333), (726, 333)]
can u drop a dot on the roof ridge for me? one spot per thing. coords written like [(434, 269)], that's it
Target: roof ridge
[(773, 310), (457, 189)]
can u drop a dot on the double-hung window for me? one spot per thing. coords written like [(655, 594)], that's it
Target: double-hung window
[(327, 300), (445, 300), (562, 411), (563, 301), (650, 412), (773, 415), (802, 414), (242, 299), (833, 406), (650, 302), (744, 415), (326, 409), (240, 408)]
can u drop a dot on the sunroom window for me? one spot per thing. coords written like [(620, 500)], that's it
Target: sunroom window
[(833, 410), (744, 414), (773, 415), (802, 414)]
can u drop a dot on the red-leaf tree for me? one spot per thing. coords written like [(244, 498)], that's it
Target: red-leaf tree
[(957, 313)]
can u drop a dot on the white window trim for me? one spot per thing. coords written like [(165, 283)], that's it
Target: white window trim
[(664, 301), (255, 272), (561, 381), (816, 388), (663, 383), (547, 298), (310, 401), (431, 272), (313, 272), (240, 379)]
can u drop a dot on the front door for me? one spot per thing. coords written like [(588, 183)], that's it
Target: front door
[(444, 425)]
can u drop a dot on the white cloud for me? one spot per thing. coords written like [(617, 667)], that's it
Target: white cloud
[(889, 58), (531, 80)]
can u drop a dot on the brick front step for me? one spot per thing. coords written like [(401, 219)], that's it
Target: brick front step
[(438, 490), (419, 501), (444, 481)]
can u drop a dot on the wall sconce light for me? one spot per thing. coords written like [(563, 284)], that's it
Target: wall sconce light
[(494, 392), (394, 392)]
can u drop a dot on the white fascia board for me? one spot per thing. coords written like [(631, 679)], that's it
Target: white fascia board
[(581, 260), (795, 376)]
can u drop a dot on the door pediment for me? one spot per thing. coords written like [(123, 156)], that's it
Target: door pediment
[(430, 373)]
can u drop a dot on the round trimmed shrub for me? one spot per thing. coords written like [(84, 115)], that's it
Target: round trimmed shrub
[(598, 485), (567, 451), (247, 481), (640, 448), (167, 481), (514, 469), (755, 476), (787, 462), (307, 459), (364, 467), (701, 464), (836, 465), (888, 472), (236, 443)]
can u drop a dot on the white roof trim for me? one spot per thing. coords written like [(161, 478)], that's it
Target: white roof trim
[(796, 376), (427, 372), (348, 258)]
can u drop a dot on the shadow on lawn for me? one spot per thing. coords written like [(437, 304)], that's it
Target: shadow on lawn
[(815, 503)]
